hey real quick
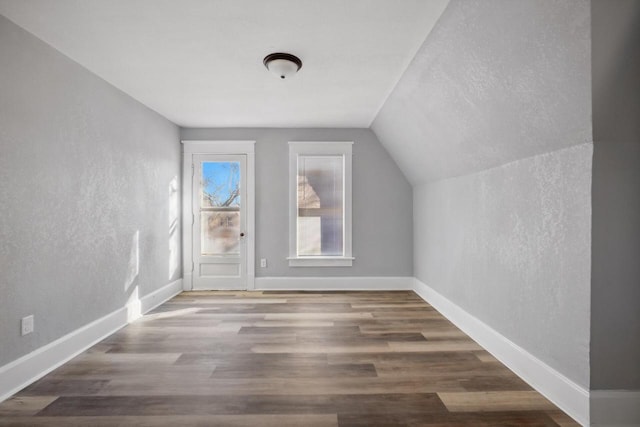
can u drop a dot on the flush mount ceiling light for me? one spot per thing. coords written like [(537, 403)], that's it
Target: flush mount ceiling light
[(283, 65)]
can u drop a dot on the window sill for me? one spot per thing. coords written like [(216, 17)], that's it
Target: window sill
[(340, 261)]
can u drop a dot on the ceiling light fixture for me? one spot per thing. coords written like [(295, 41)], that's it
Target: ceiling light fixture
[(283, 65)]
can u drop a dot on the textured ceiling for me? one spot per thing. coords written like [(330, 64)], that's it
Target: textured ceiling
[(199, 62), (494, 82)]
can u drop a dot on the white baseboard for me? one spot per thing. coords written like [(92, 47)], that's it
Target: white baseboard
[(160, 296), (615, 408), (334, 283), (567, 395), (21, 372)]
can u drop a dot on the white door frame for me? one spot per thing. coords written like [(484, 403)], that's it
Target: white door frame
[(189, 149)]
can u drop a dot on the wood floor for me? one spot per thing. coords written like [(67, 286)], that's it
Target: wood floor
[(284, 359)]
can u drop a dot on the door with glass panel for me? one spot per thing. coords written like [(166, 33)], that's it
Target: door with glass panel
[(219, 222)]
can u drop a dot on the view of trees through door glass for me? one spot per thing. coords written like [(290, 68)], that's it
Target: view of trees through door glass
[(320, 205), (220, 208)]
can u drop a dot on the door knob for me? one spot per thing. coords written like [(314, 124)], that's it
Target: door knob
[(241, 234)]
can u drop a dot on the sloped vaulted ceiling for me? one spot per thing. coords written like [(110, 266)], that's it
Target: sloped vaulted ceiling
[(495, 81)]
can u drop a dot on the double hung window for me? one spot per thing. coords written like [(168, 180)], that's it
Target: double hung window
[(320, 204)]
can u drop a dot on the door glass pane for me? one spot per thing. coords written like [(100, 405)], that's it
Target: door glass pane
[(320, 205), (220, 184), (220, 232), (220, 208)]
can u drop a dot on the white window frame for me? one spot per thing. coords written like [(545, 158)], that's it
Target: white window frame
[(320, 148)]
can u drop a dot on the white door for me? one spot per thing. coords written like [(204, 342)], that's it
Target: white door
[(219, 221)]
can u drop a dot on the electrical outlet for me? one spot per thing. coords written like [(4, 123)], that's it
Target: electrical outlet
[(26, 325), (263, 262)]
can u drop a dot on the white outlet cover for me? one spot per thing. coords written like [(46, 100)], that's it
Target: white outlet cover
[(26, 325)]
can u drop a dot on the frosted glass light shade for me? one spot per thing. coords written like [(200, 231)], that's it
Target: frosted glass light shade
[(283, 65)]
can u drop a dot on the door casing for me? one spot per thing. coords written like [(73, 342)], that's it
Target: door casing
[(194, 148)]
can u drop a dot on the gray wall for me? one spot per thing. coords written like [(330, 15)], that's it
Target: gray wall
[(615, 293), (83, 167), (382, 202), (511, 246), (492, 124), (495, 81)]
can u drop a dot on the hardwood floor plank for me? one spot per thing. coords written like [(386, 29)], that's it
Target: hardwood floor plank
[(159, 375), (253, 359), (397, 306), (237, 343), (321, 348), (317, 316), (326, 371), (340, 338), (400, 359), (290, 307), (204, 302), (303, 331), (164, 358), (24, 405), (446, 334), (406, 314), (562, 419), (486, 357), (53, 386), (438, 346), (293, 368), (443, 370), (495, 401), (244, 404), (304, 386), (262, 420), (293, 324), (478, 419)]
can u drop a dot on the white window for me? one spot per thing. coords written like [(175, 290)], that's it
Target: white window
[(320, 204)]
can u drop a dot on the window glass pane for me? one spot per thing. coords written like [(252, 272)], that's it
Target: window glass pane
[(220, 184), (320, 205), (220, 232)]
